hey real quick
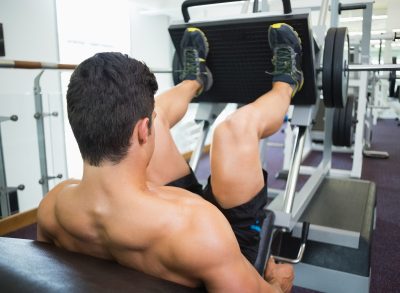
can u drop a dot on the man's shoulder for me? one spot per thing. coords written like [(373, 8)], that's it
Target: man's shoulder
[(47, 205), (49, 198)]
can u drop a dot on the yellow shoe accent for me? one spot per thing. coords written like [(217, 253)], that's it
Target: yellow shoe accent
[(295, 90), (277, 25), (202, 60), (193, 29)]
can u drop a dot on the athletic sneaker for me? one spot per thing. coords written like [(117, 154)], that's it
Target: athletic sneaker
[(286, 46), (194, 51)]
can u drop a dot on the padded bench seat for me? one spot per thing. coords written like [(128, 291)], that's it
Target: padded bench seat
[(32, 266)]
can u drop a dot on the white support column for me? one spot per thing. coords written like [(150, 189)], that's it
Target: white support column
[(362, 99)]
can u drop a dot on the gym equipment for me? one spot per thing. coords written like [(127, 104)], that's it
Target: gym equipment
[(327, 68), (340, 77), (32, 266), (240, 56), (340, 210), (2, 48), (392, 80), (313, 202), (228, 36), (344, 121), (335, 78), (8, 195)]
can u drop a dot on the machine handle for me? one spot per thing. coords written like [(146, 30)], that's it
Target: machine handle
[(287, 6), (343, 7), (190, 3), (266, 236), (300, 254)]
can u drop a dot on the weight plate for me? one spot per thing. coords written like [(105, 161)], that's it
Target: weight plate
[(343, 124), (349, 119), (176, 68), (337, 127), (340, 75), (327, 68)]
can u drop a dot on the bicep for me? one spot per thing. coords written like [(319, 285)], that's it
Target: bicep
[(212, 255)]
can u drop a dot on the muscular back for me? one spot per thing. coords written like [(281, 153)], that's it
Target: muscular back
[(166, 232)]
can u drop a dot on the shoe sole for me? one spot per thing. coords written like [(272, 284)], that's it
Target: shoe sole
[(203, 36), (279, 25)]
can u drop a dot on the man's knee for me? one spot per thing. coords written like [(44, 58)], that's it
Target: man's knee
[(235, 127)]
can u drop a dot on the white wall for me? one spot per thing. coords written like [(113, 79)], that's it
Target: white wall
[(85, 28), (30, 34), (151, 42)]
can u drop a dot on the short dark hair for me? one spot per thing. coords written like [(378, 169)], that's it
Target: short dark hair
[(107, 95)]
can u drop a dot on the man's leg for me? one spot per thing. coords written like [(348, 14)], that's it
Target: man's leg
[(236, 169), (237, 179), (167, 163)]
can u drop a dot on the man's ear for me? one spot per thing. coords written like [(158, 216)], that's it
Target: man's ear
[(143, 130)]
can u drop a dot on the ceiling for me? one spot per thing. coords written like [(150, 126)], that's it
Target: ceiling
[(172, 8), (385, 20)]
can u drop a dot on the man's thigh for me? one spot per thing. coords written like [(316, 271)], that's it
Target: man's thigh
[(246, 219)]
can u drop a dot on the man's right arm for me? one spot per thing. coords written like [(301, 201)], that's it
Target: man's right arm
[(208, 250)]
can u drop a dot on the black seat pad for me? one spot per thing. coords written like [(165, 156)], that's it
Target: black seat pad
[(32, 266)]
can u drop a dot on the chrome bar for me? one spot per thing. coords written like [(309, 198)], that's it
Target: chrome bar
[(198, 151), (41, 135), (293, 261), (295, 162), (373, 67), (4, 200), (323, 12)]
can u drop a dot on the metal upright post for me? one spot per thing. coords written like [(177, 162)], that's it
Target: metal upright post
[(328, 127), (4, 201), (198, 150), (40, 133), (362, 100), (294, 169), (4, 198), (264, 6)]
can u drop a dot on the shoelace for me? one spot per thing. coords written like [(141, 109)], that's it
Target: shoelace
[(282, 61), (191, 56)]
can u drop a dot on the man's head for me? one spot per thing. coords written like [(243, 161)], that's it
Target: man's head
[(107, 96)]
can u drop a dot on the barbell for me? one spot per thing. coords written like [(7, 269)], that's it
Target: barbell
[(336, 67)]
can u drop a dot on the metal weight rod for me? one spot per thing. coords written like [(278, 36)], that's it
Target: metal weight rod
[(373, 67), (369, 67), (48, 65)]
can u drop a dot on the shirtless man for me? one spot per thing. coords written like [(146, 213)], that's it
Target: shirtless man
[(135, 203)]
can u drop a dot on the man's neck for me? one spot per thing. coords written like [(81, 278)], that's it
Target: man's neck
[(126, 175)]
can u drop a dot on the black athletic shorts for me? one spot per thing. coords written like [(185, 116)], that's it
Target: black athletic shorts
[(245, 220)]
